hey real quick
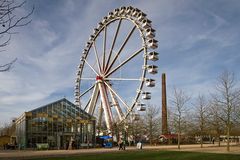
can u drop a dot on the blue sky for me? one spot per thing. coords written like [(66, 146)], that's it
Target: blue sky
[(197, 41)]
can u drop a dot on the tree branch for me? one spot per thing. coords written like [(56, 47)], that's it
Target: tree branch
[(8, 66), (9, 20)]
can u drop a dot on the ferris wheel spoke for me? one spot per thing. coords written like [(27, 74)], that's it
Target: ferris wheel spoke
[(89, 89), (83, 78), (113, 43), (115, 93), (123, 79), (87, 104), (104, 47), (91, 67), (96, 55), (120, 50), (123, 63)]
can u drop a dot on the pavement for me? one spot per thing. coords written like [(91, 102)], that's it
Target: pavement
[(29, 154)]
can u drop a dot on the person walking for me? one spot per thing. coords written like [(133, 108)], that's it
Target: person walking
[(124, 145), (213, 139), (120, 143)]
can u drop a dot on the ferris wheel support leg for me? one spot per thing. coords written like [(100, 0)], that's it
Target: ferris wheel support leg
[(116, 105), (100, 114), (93, 100), (106, 106)]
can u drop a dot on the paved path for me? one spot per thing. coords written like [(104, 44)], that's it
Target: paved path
[(28, 154)]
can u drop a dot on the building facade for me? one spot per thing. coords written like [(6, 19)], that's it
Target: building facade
[(57, 124)]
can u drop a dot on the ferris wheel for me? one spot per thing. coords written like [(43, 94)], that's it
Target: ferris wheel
[(112, 76)]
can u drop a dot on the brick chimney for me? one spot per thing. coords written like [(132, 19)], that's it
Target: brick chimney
[(164, 106)]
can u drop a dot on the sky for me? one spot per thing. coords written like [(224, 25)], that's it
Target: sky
[(198, 40)]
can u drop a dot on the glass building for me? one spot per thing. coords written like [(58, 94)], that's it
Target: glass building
[(57, 124)]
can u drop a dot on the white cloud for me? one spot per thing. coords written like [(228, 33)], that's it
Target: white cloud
[(23, 98), (44, 32)]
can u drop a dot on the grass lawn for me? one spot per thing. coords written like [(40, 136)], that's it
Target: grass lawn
[(148, 155)]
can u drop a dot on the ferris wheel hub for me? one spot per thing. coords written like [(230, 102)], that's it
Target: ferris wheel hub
[(99, 78)]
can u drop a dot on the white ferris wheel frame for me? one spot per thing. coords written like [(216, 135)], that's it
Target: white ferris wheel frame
[(105, 68)]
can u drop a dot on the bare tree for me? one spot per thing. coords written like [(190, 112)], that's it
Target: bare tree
[(215, 122), (236, 115), (7, 129), (136, 130), (179, 102), (226, 98), (9, 20), (152, 120), (201, 115)]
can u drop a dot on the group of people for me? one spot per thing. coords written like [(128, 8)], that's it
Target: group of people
[(70, 144), (122, 145)]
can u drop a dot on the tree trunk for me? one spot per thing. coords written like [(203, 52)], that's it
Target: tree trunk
[(179, 140), (228, 138), (219, 143), (201, 141), (150, 137)]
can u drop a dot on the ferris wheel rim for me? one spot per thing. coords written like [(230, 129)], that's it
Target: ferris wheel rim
[(144, 62), (92, 45)]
